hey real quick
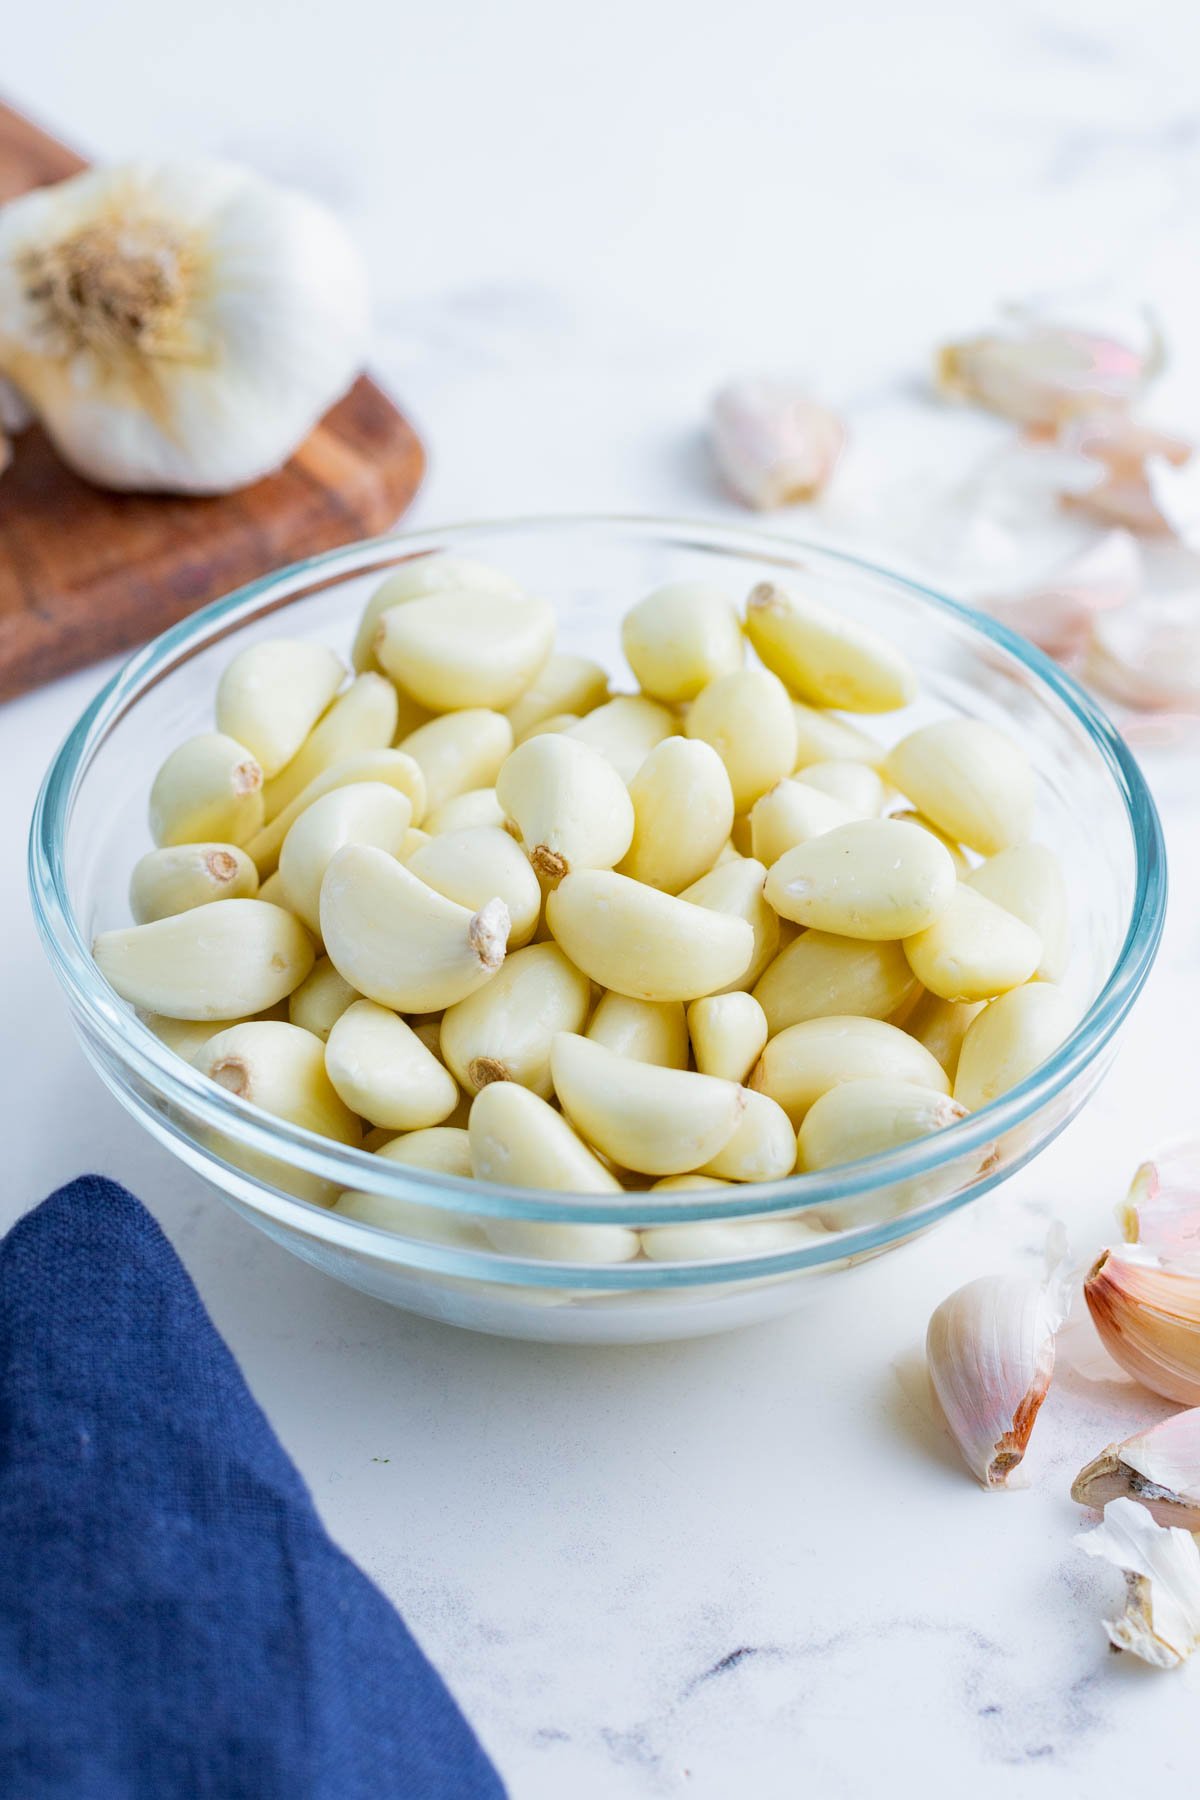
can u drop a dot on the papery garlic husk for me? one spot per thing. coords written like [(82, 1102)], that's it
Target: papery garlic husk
[(1056, 611), (178, 325), (1161, 1211), (1148, 1313), (1161, 1564), (1159, 1468), (1043, 374), (990, 1349), (773, 443), (1148, 655)]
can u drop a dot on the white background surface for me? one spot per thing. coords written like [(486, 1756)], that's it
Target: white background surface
[(578, 220)]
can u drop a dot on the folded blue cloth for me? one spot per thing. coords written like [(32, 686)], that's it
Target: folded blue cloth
[(175, 1624)]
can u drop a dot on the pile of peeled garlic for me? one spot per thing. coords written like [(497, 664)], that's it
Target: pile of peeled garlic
[(991, 1353), (175, 326), (490, 919)]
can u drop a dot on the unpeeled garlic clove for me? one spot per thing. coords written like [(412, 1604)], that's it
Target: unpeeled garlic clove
[(747, 718), (650, 1031), (398, 941), (990, 1349), (728, 1033), (457, 753), (1162, 1208), (970, 779), (625, 730), (1161, 1621), (819, 975), (825, 658), (381, 1070), (175, 879), (865, 1118), (637, 941), (735, 886), (465, 647), (281, 1069), (208, 790), (504, 1032), (805, 1061), (519, 1140), (1159, 1468), (762, 1147), (416, 580), (878, 879), (1042, 373), (655, 1120), (681, 637), (565, 684), (1148, 1314), (472, 864), (272, 694), (974, 950), (214, 962), (570, 808), (363, 718), (773, 443), (683, 814), (395, 768), (367, 813)]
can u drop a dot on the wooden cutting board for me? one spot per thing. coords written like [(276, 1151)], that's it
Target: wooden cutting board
[(84, 573)]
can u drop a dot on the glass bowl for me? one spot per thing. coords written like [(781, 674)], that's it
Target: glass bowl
[(464, 1255)]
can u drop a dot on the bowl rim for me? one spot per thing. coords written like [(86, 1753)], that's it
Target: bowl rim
[(124, 1036)]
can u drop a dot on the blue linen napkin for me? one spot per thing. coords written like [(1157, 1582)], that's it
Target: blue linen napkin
[(175, 1624)]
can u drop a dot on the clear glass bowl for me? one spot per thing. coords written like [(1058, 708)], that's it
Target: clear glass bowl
[(89, 827)]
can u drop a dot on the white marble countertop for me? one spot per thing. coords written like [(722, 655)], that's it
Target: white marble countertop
[(743, 1565)]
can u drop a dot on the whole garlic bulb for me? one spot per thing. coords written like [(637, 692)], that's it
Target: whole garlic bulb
[(177, 326)]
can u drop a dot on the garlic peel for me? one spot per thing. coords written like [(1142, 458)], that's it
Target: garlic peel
[(773, 443), (178, 326), (1148, 1314), (1162, 1208), (1161, 1564), (1159, 1468)]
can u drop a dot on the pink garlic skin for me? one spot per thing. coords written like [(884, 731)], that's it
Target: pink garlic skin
[(773, 444), (1162, 1208), (1057, 612), (1043, 375)]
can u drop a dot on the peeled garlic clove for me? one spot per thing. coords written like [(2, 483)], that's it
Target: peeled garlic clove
[(825, 658), (970, 779), (855, 784), (650, 1031), (281, 1069), (367, 813), (1162, 1208), (1027, 881), (713, 1242), (472, 865), (791, 813), (458, 753), (519, 1140), (1159, 1468), (974, 950), (416, 580), (736, 887), (747, 718), (465, 647), (658, 1121), (382, 1070), (876, 879), (1042, 373), (394, 768), (1161, 1621), (272, 694), (445, 1149), (625, 730), (865, 1118), (773, 443), (954, 851), (763, 1145), (940, 1025), (683, 813), (681, 637), (363, 718), (208, 790), (640, 942), (186, 1037), (504, 1032), (214, 962), (321, 999), (400, 943), (728, 1033), (1011, 1038), (570, 808), (565, 684), (477, 807), (413, 1218), (990, 1349), (175, 879), (413, 840), (805, 1061), (1148, 1314), (819, 975), (821, 736)]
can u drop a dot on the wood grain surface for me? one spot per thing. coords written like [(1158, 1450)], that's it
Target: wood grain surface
[(85, 573)]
